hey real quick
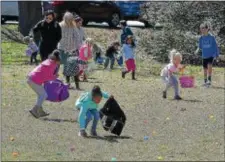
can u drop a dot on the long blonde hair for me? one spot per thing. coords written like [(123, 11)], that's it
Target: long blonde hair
[(68, 20)]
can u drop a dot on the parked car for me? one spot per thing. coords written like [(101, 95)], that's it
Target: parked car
[(9, 11), (99, 11)]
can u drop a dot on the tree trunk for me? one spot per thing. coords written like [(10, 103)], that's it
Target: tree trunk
[(30, 12)]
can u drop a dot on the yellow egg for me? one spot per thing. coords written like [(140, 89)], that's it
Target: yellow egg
[(211, 116), (160, 158), (12, 139)]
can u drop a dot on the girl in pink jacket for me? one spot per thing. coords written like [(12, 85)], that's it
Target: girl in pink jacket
[(46, 71), (85, 54)]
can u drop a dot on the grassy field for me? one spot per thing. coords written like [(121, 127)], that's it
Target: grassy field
[(156, 128)]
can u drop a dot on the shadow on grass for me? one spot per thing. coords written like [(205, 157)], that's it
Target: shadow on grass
[(59, 120), (94, 82), (215, 87), (191, 100), (118, 137), (109, 138)]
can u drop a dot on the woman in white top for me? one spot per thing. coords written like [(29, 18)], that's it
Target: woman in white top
[(70, 37), (68, 45)]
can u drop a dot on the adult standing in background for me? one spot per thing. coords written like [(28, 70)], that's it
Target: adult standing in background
[(70, 37), (50, 32), (125, 31), (80, 30), (68, 45)]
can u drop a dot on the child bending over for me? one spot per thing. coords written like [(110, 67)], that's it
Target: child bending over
[(87, 103), (168, 71)]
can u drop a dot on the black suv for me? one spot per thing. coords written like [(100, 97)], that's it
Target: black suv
[(96, 11)]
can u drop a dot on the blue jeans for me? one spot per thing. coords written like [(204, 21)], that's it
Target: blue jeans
[(171, 82), (89, 115)]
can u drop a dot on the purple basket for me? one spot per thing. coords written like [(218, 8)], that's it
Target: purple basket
[(56, 91), (29, 52)]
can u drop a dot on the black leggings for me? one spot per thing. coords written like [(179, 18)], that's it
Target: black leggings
[(76, 79), (34, 57)]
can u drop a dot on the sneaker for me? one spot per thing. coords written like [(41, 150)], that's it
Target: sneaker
[(42, 113), (34, 112), (82, 133), (93, 133), (123, 74), (208, 83), (177, 97), (204, 84), (164, 94)]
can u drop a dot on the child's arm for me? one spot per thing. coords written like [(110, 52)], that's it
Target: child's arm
[(37, 27), (81, 62), (216, 54), (82, 115), (105, 95)]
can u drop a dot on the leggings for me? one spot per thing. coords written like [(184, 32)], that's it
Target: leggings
[(171, 82), (40, 91)]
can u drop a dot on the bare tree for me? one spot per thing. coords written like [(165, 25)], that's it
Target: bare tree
[(30, 12)]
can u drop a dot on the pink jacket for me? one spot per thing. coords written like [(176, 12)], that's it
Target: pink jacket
[(82, 54), (44, 72)]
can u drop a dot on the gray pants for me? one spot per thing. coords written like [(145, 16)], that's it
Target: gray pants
[(40, 91), (171, 82)]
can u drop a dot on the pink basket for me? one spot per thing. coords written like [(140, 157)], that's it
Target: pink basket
[(187, 81)]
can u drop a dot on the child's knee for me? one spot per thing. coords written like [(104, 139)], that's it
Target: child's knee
[(96, 116), (45, 95)]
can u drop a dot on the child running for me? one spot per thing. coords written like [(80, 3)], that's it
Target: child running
[(46, 71), (32, 48), (87, 103), (71, 69), (209, 48), (168, 76), (128, 54)]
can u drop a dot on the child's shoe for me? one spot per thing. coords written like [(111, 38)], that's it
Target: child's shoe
[(42, 113), (208, 83), (34, 111), (177, 97), (93, 133), (123, 74), (82, 133), (164, 94)]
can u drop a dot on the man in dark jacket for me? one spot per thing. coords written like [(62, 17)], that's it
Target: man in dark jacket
[(125, 31), (50, 32)]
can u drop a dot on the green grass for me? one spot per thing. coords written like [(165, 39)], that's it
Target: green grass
[(189, 134)]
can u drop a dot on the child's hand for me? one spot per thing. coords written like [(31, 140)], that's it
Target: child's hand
[(183, 66)]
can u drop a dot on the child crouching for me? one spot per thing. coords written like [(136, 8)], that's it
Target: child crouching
[(87, 103), (46, 71), (168, 76)]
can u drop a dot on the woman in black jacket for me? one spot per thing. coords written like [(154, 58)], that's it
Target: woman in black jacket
[(50, 32)]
